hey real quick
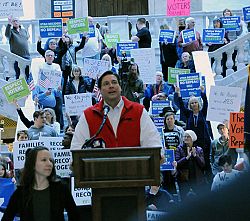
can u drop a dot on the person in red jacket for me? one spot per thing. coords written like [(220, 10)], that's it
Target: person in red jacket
[(128, 123)]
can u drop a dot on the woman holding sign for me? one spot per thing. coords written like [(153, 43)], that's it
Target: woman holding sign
[(40, 196)]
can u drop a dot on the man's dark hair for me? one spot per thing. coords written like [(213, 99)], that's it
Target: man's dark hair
[(20, 132), (99, 84), (141, 20), (225, 159), (38, 113)]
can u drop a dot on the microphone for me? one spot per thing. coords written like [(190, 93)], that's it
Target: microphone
[(89, 143)]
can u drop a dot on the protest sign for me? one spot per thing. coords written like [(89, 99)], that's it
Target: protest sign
[(231, 23), (158, 105), (188, 35), (91, 32), (154, 215), (111, 40), (16, 90), (145, 58), (75, 104), (49, 78), (158, 121), (169, 159), (11, 8), (77, 25), (246, 14), (189, 84), (64, 9), (50, 28), (19, 149), (222, 101), (6, 190), (81, 196), (178, 7), (53, 143), (173, 72), (171, 139), (213, 35), (62, 159), (94, 68), (167, 36), (236, 130), (123, 48)]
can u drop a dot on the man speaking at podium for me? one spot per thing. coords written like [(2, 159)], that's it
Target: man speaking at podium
[(127, 123)]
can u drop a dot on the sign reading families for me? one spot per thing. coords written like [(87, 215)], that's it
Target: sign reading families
[(167, 36), (236, 130), (123, 48), (188, 35), (222, 101), (173, 72), (189, 84), (53, 143), (64, 9), (213, 35), (246, 13), (77, 25), (231, 23), (81, 196), (49, 78), (158, 105), (94, 68), (16, 90), (75, 104), (178, 7), (111, 40), (11, 8), (168, 164), (50, 28), (154, 215), (145, 58), (62, 159)]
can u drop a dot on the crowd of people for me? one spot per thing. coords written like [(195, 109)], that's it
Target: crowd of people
[(200, 160)]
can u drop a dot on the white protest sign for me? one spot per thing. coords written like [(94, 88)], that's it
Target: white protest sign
[(19, 149), (153, 215), (222, 101), (54, 78), (53, 143), (145, 58), (75, 104), (62, 159), (11, 7), (94, 68), (82, 196)]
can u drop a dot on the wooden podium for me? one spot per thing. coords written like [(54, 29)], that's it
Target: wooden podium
[(118, 177)]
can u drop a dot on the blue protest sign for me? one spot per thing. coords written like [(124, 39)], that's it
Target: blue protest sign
[(7, 187), (158, 105), (246, 13), (167, 36), (158, 121), (91, 32), (50, 28), (231, 23), (189, 84), (123, 48), (213, 35), (188, 35), (168, 164)]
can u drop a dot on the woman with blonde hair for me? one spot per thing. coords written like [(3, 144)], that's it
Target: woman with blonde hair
[(51, 119)]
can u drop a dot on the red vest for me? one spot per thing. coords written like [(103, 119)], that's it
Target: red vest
[(128, 130)]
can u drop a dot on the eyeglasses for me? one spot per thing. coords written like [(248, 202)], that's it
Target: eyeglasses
[(49, 55), (109, 83)]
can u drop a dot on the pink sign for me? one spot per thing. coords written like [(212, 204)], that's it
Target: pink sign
[(178, 7)]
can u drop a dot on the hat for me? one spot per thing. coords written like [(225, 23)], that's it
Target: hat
[(166, 110), (220, 124), (191, 134)]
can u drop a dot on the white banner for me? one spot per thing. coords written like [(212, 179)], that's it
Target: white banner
[(53, 143), (63, 159), (11, 7), (50, 78), (94, 68)]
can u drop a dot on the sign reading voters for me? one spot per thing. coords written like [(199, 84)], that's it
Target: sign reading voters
[(213, 35), (222, 101), (167, 36), (236, 130), (49, 78), (231, 23), (81, 196), (16, 90), (77, 25), (188, 35), (173, 72), (75, 104), (50, 28), (94, 68), (178, 7), (111, 40), (123, 48), (168, 164), (145, 58), (11, 8), (246, 13), (189, 84)]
